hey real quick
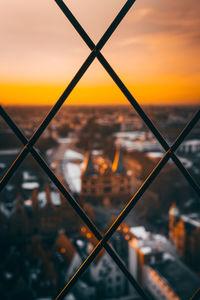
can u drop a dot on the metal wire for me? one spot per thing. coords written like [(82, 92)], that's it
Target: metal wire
[(73, 203), (126, 92), (121, 217), (29, 147), (66, 93)]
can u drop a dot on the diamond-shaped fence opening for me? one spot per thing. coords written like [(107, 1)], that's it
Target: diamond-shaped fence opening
[(103, 240)]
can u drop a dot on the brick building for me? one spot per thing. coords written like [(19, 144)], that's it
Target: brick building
[(184, 231), (107, 183), (44, 212)]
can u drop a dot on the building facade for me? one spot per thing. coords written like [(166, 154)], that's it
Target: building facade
[(107, 184), (184, 231)]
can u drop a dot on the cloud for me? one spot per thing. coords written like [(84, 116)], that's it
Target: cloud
[(180, 18), (156, 37)]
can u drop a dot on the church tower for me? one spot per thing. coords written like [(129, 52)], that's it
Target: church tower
[(88, 166), (118, 162), (173, 218)]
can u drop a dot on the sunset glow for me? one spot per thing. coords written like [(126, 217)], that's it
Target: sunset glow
[(155, 51)]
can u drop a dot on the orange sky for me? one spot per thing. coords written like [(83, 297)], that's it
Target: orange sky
[(155, 51)]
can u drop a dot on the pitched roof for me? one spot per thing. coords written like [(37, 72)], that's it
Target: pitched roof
[(118, 162), (65, 247), (179, 277), (89, 166)]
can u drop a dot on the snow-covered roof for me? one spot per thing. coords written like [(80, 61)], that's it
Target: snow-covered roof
[(55, 198), (168, 256), (9, 152), (191, 143), (139, 232), (27, 176), (160, 238), (42, 198), (155, 154), (30, 185), (65, 140), (193, 219), (130, 135), (140, 145), (145, 250), (72, 175), (73, 155)]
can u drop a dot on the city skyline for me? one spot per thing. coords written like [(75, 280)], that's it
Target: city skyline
[(102, 158), (157, 59)]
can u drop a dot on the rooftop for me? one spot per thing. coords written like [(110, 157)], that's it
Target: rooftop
[(192, 219), (179, 277)]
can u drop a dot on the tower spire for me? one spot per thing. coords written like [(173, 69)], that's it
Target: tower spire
[(89, 166), (118, 162)]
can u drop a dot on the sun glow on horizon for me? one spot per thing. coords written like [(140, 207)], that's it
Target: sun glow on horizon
[(177, 93), (156, 59)]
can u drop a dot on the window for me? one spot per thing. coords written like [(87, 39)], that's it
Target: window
[(153, 259), (110, 291), (107, 181), (107, 189), (118, 278), (29, 148)]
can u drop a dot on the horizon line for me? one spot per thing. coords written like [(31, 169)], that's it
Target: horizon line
[(98, 104)]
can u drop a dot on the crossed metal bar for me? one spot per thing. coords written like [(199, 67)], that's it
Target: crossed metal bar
[(29, 147), (67, 91), (102, 240), (75, 205), (125, 91)]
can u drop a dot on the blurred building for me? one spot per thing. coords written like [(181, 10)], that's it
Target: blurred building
[(107, 184), (189, 147), (170, 279), (109, 280), (42, 211), (161, 275), (184, 231)]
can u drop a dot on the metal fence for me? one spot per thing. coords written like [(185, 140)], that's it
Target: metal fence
[(29, 148)]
